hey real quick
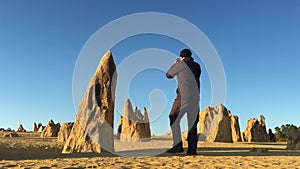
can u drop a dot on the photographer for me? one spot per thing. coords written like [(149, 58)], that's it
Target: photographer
[(187, 101)]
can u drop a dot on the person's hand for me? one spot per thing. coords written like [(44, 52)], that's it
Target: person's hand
[(176, 60)]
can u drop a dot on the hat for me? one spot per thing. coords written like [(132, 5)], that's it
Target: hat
[(186, 53)]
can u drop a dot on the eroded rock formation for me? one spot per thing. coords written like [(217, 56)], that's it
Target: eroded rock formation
[(21, 128), (256, 131), (11, 135), (35, 128), (293, 136), (272, 136), (216, 124), (93, 127), (147, 123), (51, 130), (64, 132), (133, 126), (235, 127), (40, 128)]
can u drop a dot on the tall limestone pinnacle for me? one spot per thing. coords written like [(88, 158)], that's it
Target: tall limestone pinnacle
[(93, 127)]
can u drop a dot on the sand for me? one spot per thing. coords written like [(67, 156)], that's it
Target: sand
[(31, 151)]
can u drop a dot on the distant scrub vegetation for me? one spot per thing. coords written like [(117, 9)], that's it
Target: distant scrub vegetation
[(281, 133)]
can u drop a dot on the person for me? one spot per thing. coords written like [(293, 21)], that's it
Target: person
[(187, 101)]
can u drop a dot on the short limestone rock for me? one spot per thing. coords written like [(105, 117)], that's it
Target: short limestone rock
[(216, 124), (256, 131), (21, 128), (293, 136), (133, 126), (11, 135), (51, 130)]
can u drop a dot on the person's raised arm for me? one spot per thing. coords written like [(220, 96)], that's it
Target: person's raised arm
[(175, 69)]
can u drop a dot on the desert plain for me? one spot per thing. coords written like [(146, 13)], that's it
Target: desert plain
[(29, 150)]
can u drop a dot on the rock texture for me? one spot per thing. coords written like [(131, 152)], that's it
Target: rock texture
[(35, 128), (133, 126), (21, 128), (64, 132), (256, 131), (147, 123), (51, 130), (93, 127), (235, 127), (11, 135), (293, 136), (40, 128), (40, 125), (272, 136), (216, 124)]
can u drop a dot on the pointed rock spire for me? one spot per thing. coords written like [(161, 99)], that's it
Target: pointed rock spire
[(128, 112), (132, 126), (35, 128), (147, 124), (93, 127)]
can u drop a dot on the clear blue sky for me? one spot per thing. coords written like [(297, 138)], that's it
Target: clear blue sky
[(258, 43)]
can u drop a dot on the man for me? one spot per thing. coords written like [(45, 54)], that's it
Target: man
[(187, 101)]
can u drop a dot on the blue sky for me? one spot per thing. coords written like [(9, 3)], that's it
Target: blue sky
[(257, 42)]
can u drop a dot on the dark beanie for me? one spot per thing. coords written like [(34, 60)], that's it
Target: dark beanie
[(186, 53)]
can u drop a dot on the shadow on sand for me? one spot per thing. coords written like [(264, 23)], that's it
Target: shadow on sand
[(14, 154)]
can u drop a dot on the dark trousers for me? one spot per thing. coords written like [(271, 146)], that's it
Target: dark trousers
[(175, 116)]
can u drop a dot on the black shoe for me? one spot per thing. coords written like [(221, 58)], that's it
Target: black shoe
[(191, 153), (175, 150)]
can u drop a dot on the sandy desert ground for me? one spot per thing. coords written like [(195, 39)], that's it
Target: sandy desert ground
[(31, 151)]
